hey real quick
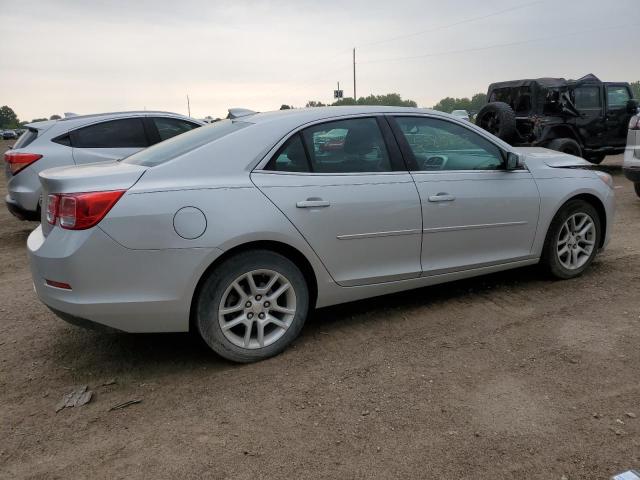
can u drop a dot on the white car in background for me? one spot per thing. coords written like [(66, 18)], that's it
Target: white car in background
[(631, 165), (77, 140), (461, 114)]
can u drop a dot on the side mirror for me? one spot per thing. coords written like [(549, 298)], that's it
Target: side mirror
[(632, 106), (513, 161)]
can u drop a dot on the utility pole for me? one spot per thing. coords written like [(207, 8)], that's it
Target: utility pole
[(355, 97), (188, 106)]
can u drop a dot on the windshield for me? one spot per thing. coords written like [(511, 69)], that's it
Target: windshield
[(174, 147)]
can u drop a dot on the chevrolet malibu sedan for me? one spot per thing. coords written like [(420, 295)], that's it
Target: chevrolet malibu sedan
[(236, 230)]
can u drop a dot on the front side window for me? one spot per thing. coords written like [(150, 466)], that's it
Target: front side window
[(344, 146), (442, 145), (170, 127), (124, 133), (617, 97), (587, 98)]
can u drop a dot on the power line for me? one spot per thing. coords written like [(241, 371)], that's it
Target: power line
[(455, 24), (498, 45)]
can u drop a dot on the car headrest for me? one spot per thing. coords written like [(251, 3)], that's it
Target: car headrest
[(296, 154), (360, 139)]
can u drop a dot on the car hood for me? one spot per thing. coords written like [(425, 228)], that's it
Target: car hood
[(539, 157)]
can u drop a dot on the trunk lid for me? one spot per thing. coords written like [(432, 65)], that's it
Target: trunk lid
[(92, 177)]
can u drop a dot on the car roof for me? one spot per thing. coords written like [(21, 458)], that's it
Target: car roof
[(312, 114), (79, 120)]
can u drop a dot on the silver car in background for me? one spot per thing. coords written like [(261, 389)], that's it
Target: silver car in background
[(631, 165), (77, 140), (238, 228)]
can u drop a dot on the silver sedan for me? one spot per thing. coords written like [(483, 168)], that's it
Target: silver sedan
[(237, 229)]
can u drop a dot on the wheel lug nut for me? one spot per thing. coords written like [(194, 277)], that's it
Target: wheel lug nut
[(250, 316), (261, 316), (267, 304), (258, 297), (248, 305)]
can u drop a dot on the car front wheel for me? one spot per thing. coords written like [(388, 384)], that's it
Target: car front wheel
[(252, 306), (572, 240)]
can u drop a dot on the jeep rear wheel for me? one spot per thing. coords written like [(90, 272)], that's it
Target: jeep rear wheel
[(566, 145), (499, 119)]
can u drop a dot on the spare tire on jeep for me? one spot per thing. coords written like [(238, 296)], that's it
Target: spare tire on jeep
[(499, 119)]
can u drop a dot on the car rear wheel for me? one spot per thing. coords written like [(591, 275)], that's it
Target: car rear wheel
[(572, 240), (252, 306), (565, 145)]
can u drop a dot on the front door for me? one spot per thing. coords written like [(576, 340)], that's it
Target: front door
[(351, 199), (474, 212), (617, 114)]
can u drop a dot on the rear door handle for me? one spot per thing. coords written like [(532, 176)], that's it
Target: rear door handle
[(442, 197), (313, 203)]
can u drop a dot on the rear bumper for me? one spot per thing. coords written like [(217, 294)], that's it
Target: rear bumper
[(21, 213), (113, 286)]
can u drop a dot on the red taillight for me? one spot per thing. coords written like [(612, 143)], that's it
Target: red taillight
[(79, 211), (634, 122), (19, 160)]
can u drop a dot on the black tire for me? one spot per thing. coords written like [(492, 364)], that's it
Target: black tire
[(566, 145), (216, 284), (550, 259), (636, 186), (499, 119), (596, 158)]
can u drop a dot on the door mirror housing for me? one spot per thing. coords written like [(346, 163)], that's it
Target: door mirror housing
[(632, 106), (513, 161)]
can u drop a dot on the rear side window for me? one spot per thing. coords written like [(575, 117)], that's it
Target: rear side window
[(291, 157), (174, 147), (344, 146), (26, 138), (124, 133), (587, 98), (170, 127)]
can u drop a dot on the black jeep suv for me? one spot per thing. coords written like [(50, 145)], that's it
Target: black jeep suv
[(585, 117)]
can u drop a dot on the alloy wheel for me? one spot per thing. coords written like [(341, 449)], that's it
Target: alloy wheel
[(257, 309), (576, 241)]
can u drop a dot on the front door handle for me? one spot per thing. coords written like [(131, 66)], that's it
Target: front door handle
[(313, 202), (442, 197)]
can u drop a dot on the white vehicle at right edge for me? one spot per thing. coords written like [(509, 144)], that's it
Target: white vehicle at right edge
[(631, 166)]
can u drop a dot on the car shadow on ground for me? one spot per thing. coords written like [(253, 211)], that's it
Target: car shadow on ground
[(15, 238), (166, 352)]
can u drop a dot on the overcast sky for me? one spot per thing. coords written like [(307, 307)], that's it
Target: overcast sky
[(85, 57)]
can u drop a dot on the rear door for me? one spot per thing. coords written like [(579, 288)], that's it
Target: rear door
[(474, 212), (344, 186), (617, 98), (108, 140)]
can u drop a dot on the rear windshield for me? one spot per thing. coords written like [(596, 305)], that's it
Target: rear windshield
[(26, 138), (181, 144)]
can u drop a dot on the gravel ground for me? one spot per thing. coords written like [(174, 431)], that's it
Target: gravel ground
[(506, 376)]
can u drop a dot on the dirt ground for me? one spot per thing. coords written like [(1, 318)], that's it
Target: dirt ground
[(509, 376)]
